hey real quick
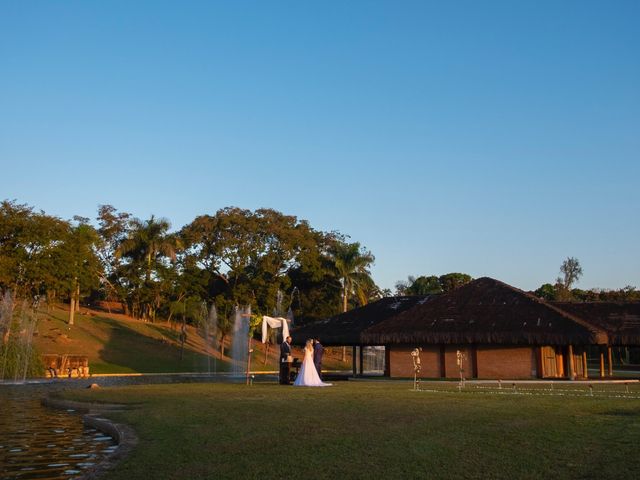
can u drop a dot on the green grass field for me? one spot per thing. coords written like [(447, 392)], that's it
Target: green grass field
[(378, 429), (119, 344)]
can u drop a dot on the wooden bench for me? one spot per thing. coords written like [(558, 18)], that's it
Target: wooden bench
[(70, 366)]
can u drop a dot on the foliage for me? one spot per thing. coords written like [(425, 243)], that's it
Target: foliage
[(19, 362), (547, 292), (627, 294), (18, 357), (112, 231), (571, 271), (427, 285), (351, 265), (29, 265)]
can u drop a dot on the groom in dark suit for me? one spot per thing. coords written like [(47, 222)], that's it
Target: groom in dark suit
[(285, 365), (318, 351)]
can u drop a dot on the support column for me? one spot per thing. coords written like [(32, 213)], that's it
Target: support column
[(572, 369), (353, 360), (560, 361), (601, 362), (387, 361), (443, 368), (539, 363), (474, 361), (361, 360), (610, 358), (585, 369)]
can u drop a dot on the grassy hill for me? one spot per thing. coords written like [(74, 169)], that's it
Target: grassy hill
[(116, 343)]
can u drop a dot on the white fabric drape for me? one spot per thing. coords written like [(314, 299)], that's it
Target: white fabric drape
[(274, 322)]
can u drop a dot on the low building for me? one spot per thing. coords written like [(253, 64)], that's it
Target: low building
[(484, 329), (487, 329)]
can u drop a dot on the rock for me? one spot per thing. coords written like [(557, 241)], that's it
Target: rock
[(93, 385)]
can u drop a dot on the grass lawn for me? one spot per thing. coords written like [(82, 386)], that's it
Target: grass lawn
[(373, 430), (119, 344)]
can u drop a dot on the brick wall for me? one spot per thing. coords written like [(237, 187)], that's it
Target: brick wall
[(401, 363), (506, 362), (451, 361), (491, 362)]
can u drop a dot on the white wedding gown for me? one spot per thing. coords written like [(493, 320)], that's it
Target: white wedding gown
[(308, 375)]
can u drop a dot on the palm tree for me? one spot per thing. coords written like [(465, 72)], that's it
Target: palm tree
[(351, 265), (147, 241)]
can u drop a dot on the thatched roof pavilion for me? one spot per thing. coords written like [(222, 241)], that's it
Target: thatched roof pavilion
[(501, 331), (620, 320), (484, 311), (347, 328)]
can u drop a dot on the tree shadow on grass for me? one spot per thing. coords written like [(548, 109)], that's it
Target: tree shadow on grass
[(129, 351)]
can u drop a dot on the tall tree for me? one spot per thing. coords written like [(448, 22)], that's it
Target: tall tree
[(76, 264), (351, 264), (27, 240), (147, 244), (112, 231), (250, 255), (571, 272)]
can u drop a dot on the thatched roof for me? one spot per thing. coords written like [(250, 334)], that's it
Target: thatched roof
[(347, 328), (484, 311), (620, 320)]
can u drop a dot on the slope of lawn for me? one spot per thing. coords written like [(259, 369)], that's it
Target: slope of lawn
[(119, 344), (372, 430)]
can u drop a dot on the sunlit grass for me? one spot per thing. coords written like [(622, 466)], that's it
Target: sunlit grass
[(117, 344), (373, 430)]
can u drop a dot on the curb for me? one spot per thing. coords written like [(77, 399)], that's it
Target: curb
[(122, 434)]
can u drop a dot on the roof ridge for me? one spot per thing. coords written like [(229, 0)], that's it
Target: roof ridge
[(543, 302)]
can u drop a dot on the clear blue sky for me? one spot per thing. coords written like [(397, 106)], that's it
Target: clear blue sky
[(492, 138)]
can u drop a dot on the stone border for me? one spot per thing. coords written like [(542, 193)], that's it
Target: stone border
[(123, 435)]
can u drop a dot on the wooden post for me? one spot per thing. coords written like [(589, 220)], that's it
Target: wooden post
[(559, 354), (387, 361), (585, 370), (248, 360), (361, 360), (353, 361), (572, 369), (539, 363), (474, 361), (601, 362), (610, 358)]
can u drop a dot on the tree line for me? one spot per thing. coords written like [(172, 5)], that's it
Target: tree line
[(231, 257), (570, 272), (562, 290)]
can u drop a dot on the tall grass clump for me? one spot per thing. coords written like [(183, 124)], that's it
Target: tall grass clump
[(18, 358)]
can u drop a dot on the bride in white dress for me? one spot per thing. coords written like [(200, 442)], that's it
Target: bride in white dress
[(308, 375)]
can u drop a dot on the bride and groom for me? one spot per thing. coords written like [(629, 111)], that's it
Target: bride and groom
[(309, 373)]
